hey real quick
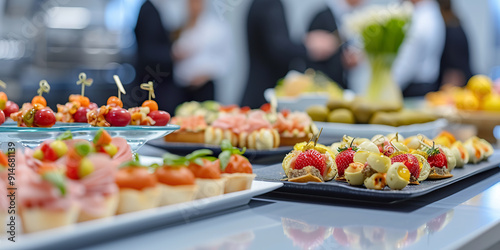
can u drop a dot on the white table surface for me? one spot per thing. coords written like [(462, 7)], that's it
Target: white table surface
[(465, 215)]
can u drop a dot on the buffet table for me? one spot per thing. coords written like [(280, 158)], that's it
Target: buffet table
[(464, 215)]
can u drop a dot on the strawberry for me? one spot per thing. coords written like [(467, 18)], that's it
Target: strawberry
[(313, 158), (410, 161), (437, 158), (344, 158)]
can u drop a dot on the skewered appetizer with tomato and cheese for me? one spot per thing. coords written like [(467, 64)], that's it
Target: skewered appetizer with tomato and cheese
[(75, 110), (148, 114), (6, 107), (36, 113)]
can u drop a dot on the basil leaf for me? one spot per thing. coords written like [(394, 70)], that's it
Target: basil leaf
[(130, 164), (210, 158), (56, 179), (198, 161), (226, 145), (155, 165), (198, 153), (65, 136), (224, 158)]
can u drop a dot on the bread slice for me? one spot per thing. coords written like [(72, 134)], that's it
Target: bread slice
[(132, 200), (209, 187), (39, 219), (177, 194), (237, 182), (109, 209)]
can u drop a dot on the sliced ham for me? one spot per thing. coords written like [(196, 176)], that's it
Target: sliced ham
[(124, 153)]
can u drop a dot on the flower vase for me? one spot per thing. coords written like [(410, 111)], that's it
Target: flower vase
[(382, 88)]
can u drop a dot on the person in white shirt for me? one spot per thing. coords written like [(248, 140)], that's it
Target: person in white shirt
[(416, 67), (202, 53)]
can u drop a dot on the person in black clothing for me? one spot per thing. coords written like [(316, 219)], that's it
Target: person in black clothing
[(272, 54), (332, 66), (154, 62), (455, 62)]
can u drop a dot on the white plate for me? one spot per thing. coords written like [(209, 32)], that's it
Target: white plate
[(337, 130), (103, 229)]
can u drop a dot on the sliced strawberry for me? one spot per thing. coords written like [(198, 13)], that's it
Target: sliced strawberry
[(313, 158)]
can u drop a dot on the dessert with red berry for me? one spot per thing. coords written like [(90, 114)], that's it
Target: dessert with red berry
[(310, 162), (36, 113), (438, 163)]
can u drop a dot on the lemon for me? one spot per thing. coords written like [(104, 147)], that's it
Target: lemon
[(467, 101), (480, 85), (491, 102)]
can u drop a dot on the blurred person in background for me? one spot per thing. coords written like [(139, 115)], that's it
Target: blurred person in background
[(345, 56), (202, 53), (271, 51), (416, 67), (455, 69), (154, 61)]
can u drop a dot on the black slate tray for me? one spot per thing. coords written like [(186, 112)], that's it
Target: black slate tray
[(342, 190), (255, 156)]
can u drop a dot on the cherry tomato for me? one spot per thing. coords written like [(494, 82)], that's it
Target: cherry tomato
[(10, 108), (3, 100), (175, 176), (153, 106), (81, 114), (74, 98), (115, 101), (266, 107), (118, 117), (2, 117), (45, 118), (135, 178), (39, 100), (161, 118), (93, 106), (238, 164), (84, 101)]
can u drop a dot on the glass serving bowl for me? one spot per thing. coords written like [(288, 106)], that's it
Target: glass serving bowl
[(136, 136)]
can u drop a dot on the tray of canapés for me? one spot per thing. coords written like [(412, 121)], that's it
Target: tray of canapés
[(383, 168), (35, 121), (263, 132), (72, 188)]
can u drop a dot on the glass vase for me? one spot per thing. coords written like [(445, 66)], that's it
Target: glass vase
[(382, 88)]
